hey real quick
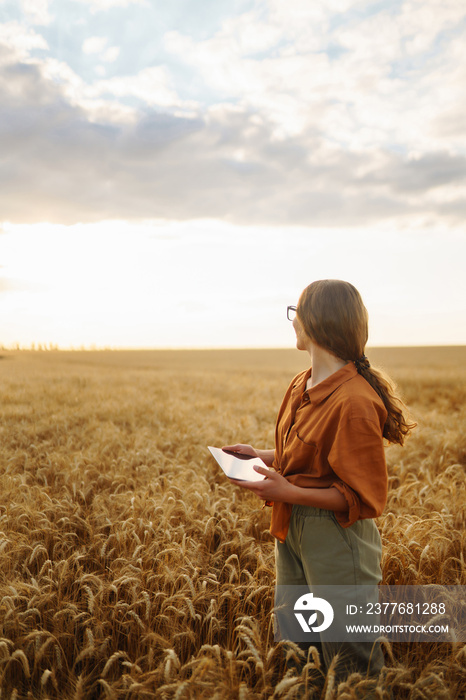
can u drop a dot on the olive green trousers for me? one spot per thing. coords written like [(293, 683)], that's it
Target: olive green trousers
[(318, 551)]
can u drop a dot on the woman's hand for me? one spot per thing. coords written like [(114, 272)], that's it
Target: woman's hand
[(242, 449), (273, 488), (267, 456)]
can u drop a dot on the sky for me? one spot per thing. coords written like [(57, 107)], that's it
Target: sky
[(173, 174)]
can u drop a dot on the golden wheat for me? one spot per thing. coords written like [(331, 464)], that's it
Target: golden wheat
[(130, 568)]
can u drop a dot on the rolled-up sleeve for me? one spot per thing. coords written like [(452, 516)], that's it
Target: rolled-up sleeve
[(331, 434), (357, 459)]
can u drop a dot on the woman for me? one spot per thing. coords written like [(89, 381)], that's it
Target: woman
[(329, 477)]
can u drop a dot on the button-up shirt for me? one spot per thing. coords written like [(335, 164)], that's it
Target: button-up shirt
[(331, 435)]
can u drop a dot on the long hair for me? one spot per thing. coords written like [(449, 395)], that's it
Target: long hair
[(334, 317)]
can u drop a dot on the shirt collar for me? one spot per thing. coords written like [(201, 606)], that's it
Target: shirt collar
[(322, 390)]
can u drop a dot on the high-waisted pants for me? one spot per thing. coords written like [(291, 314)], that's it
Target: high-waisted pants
[(318, 551)]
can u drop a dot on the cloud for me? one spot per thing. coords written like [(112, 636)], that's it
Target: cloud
[(17, 41), (98, 45), (419, 174), (36, 11), (95, 44), (224, 164), (361, 73), (104, 5), (153, 86), (311, 121), (111, 54)]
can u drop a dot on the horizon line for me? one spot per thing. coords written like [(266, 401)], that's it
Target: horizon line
[(51, 347)]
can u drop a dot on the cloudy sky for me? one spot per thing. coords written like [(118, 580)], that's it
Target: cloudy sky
[(174, 173)]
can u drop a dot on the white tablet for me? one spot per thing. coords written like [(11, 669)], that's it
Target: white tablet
[(237, 466)]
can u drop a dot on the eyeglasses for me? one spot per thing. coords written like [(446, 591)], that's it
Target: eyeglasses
[(291, 312)]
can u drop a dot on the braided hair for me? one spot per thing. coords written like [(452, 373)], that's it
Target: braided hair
[(334, 317)]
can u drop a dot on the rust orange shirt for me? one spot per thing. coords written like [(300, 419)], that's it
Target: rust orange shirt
[(329, 436)]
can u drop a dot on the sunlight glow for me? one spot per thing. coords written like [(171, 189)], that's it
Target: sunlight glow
[(208, 284)]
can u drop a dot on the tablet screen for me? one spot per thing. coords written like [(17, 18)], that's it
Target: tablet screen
[(238, 467)]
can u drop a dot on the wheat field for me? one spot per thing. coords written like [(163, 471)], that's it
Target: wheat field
[(131, 568)]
